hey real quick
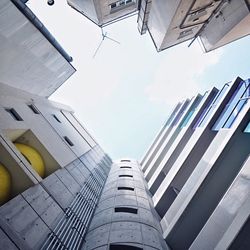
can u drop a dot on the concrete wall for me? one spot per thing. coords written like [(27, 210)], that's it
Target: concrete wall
[(137, 225), (55, 210)]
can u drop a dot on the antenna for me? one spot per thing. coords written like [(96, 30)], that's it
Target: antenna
[(104, 35)]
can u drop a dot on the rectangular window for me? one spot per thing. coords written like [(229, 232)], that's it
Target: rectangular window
[(126, 210), (125, 167), (188, 116), (125, 160), (214, 94), (174, 113), (120, 3), (247, 129), (214, 104), (126, 175), (68, 141), (56, 118), (180, 113), (14, 114), (126, 188), (123, 247), (233, 107), (33, 108)]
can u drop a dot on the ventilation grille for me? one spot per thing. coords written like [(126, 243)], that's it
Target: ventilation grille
[(71, 229)]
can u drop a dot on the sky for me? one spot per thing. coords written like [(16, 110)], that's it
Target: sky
[(126, 92)]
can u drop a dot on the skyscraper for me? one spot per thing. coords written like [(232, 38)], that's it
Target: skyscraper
[(55, 187), (197, 171)]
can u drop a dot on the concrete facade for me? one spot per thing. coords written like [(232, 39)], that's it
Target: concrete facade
[(45, 212), (214, 23), (191, 190), (103, 12), (55, 188), (202, 197), (125, 216)]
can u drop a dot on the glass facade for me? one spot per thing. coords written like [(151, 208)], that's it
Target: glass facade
[(180, 113), (247, 129), (191, 112), (210, 108), (234, 106)]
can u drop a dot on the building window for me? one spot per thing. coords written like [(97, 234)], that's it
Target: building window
[(120, 4), (206, 115), (214, 94), (56, 118), (125, 160), (126, 188), (126, 175), (33, 108), (125, 167), (123, 247), (234, 106), (247, 129), (68, 141), (126, 210), (14, 114)]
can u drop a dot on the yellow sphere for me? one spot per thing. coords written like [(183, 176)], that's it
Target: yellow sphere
[(5, 184), (33, 157)]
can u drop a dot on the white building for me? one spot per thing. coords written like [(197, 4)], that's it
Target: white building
[(213, 23), (103, 12)]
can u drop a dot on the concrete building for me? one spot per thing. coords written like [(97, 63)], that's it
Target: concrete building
[(198, 173), (55, 188), (60, 190), (103, 12), (213, 23)]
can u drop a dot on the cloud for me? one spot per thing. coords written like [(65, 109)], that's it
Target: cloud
[(178, 75)]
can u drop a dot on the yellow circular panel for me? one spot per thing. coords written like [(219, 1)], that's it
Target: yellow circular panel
[(5, 184), (33, 157)]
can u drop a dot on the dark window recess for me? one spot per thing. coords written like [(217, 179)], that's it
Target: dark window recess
[(34, 109), (14, 114), (126, 188), (125, 167), (125, 160), (126, 210), (126, 175), (68, 141), (56, 118), (123, 247)]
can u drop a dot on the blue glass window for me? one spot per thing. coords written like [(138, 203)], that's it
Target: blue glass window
[(180, 113), (173, 115), (247, 129), (234, 106), (191, 112), (207, 112), (205, 109)]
